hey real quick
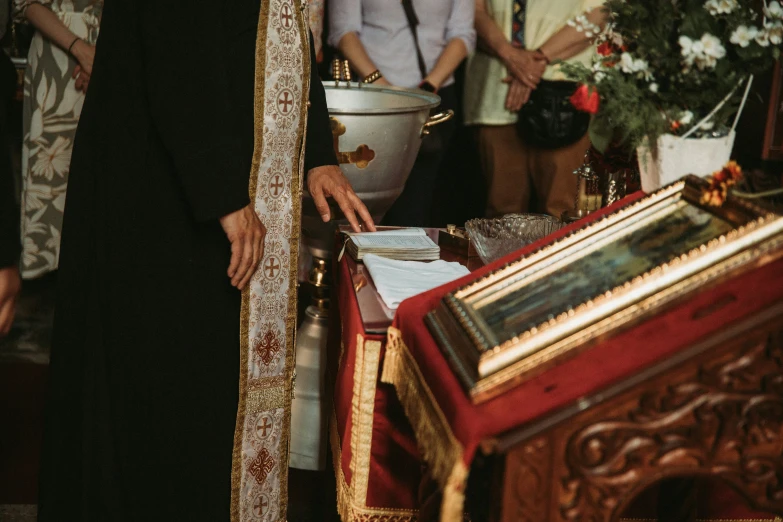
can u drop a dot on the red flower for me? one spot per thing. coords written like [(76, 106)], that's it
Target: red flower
[(675, 125), (605, 49), (586, 99)]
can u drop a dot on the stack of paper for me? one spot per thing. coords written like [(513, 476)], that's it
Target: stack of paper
[(407, 244), (399, 280)]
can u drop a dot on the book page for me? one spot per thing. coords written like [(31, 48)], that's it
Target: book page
[(398, 232), (393, 241)]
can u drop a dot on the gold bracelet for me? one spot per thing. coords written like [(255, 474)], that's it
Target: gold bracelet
[(373, 77)]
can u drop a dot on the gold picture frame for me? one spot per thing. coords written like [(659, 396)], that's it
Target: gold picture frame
[(549, 305)]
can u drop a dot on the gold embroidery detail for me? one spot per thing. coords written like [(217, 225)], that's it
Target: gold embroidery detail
[(266, 399), (244, 329), (438, 445), (347, 507), (365, 379), (269, 382), (274, 393)]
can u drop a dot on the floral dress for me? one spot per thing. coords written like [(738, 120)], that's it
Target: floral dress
[(52, 107)]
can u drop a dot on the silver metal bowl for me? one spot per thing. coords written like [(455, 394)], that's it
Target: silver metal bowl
[(378, 132), (496, 238)]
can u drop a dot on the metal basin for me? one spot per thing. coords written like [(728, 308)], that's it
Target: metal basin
[(378, 132)]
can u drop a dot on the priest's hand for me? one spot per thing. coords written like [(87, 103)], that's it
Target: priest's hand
[(329, 181), (10, 284), (246, 234)]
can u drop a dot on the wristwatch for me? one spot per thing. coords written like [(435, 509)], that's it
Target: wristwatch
[(427, 86)]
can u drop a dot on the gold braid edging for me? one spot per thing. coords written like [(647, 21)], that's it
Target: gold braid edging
[(775, 519), (368, 354), (350, 511), (438, 445), (244, 328)]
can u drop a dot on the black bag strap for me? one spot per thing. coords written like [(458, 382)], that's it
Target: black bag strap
[(413, 22)]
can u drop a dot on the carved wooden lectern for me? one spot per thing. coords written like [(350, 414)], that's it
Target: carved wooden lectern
[(663, 391), (714, 410)]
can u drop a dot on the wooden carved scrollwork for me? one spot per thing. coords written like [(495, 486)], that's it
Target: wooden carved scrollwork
[(530, 471), (725, 420)]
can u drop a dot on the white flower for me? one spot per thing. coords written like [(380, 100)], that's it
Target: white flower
[(704, 53), (707, 125), (686, 118), (775, 32), (53, 160), (638, 66), (743, 35), (718, 7), (600, 76), (626, 63), (29, 251), (763, 38), (712, 46), (686, 44), (654, 87), (774, 10)]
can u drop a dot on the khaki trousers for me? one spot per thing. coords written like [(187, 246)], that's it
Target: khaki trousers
[(523, 179)]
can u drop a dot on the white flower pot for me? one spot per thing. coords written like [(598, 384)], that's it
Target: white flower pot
[(674, 157)]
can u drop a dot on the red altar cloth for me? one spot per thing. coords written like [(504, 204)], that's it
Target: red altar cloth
[(449, 428), (377, 464)]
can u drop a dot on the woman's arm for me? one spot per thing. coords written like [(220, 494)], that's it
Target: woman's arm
[(452, 55), (43, 19), (461, 38), (356, 54), (526, 66), (491, 39), (569, 41)]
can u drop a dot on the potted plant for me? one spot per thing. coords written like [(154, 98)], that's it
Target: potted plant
[(672, 76)]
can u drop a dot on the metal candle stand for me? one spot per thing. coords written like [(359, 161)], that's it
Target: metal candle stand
[(595, 190)]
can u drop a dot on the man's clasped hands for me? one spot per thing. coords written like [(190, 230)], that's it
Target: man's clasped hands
[(525, 69)]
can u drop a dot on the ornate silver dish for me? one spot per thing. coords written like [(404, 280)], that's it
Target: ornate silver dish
[(496, 238)]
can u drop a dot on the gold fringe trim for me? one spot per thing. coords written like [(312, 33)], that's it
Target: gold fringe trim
[(438, 445), (349, 510)]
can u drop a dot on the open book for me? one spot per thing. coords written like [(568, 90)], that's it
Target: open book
[(405, 244)]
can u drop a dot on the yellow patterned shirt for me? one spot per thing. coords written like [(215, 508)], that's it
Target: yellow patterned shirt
[(485, 94)]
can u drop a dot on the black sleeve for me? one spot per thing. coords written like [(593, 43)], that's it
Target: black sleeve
[(10, 246), (191, 104), (319, 149)]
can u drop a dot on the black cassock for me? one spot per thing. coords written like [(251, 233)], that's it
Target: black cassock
[(145, 358), (9, 211)]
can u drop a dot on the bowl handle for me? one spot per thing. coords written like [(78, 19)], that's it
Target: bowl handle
[(436, 120)]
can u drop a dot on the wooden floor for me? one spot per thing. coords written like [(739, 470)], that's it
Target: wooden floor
[(24, 357)]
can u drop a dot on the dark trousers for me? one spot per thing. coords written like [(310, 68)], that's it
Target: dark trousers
[(9, 212), (414, 206)]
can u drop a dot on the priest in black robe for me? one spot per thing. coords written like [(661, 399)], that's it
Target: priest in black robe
[(170, 389)]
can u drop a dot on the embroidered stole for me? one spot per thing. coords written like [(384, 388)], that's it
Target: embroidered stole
[(282, 84)]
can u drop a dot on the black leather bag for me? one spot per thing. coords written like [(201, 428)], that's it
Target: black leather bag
[(549, 120)]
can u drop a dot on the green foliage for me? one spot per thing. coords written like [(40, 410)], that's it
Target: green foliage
[(664, 65)]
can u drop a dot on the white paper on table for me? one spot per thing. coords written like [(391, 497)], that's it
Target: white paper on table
[(399, 280)]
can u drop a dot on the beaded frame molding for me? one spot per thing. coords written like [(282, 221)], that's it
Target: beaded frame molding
[(494, 339)]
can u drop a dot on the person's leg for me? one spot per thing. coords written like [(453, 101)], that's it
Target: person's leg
[(504, 163), (553, 176), (414, 207)]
